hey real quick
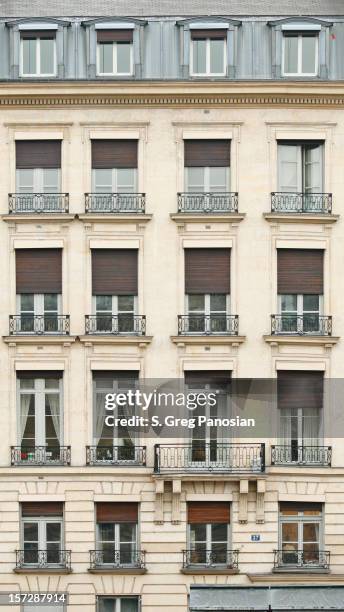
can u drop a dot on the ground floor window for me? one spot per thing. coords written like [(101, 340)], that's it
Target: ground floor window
[(118, 604)]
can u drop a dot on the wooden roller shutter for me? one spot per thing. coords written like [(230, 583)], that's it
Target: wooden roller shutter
[(305, 507), (207, 270), (197, 34), (38, 154), (300, 271), (107, 154), (210, 377), (39, 271), (117, 512), (47, 34), (39, 374), (201, 153), (114, 272), (300, 390), (114, 36), (115, 374), (42, 509), (208, 512)]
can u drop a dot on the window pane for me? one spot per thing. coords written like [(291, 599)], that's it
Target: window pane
[(25, 181), (196, 303), (27, 302), (30, 532), (29, 56), (289, 303), (123, 58), (218, 179), (51, 180), (105, 58), (199, 56), (311, 303), (308, 54), (217, 56), (127, 532), (53, 532), (125, 303), (289, 532), (47, 48), (107, 605), (52, 383), (218, 303), (219, 532), (195, 179), (198, 533), (50, 301), (290, 54), (311, 532), (129, 605), (104, 303), (126, 180), (27, 383), (102, 180), (106, 532)]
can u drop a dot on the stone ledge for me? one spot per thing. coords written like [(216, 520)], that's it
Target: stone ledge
[(185, 340), (120, 570), (114, 218), (207, 571), (326, 341), (300, 218), (207, 217)]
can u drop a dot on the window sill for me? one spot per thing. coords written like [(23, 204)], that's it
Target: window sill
[(115, 217), (118, 570), (140, 341), (312, 218), (39, 339), (207, 217), (41, 570), (286, 577), (208, 571), (326, 341), (35, 217), (301, 570), (182, 341)]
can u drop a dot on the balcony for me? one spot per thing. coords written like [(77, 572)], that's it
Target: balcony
[(40, 455), (218, 560), (116, 455), (301, 203), (208, 325), (225, 202), (127, 560), (43, 560), (301, 455), (37, 203), (301, 560), (115, 203), (39, 325), (210, 458), (117, 325), (301, 325)]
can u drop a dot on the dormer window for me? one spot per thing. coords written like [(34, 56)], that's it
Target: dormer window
[(38, 53), (115, 52), (208, 52), (300, 53)]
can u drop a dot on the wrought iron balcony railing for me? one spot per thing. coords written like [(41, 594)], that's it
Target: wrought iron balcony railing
[(51, 558), (39, 325), (208, 325), (116, 455), (312, 203), (303, 455), (308, 558), (117, 203), (21, 203), (215, 202), (40, 455), (122, 324), (209, 457), (125, 558), (218, 557), (301, 325)]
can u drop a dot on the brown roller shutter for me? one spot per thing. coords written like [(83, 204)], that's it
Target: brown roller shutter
[(39, 374), (215, 153), (107, 154), (300, 271), (38, 154), (297, 389), (51, 34), (295, 507), (117, 512), (207, 271), (39, 271), (210, 377), (114, 36), (197, 34), (115, 374), (42, 509), (208, 512), (114, 272)]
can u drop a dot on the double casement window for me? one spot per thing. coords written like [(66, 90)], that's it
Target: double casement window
[(115, 52), (38, 53), (207, 291), (300, 174), (301, 534), (300, 53), (39, 289), (42, 535), (300, 291), (117, 534), (115, 443), (208, 52), (38, 176), (208, 534), (114, 175), (118, 604), (114, 289)]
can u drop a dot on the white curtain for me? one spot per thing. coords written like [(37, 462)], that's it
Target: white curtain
[(24, 411), (285, 425), (53, 400), (311, 426), (99, 417)]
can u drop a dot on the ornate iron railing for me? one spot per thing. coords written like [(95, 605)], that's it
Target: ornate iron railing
[(208, 325), (110, 557), (302, 559), (40, 455), (116, 324), (20, 203), (39, 325), (303, 455), (208, 202), (209, 457), (116, 455), (43, 559), (312, 203), (301, 325), (218, 557), (118, 203)]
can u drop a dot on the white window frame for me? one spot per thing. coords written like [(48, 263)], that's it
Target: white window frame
[(301, 438), (39, 304), (42, 542), (116, 542), (300, 168), (39, 393), (117, 601), (300, 312), (38, 181), (206, 180), (114, 311), (114, 60), (116, 388), (208, 541), (299, 73), (114, 181), (300, 519), (207, 72), (38, 61)]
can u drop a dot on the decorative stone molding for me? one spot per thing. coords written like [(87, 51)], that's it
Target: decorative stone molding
[(176, 494), (159, 502), (260, 502), (243, 499)]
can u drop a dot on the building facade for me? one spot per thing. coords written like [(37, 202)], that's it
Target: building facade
[(171, 209)]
